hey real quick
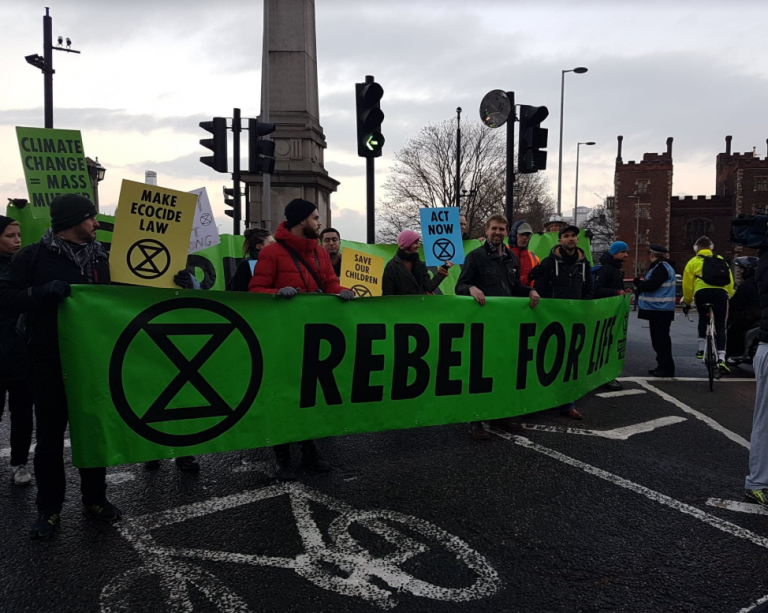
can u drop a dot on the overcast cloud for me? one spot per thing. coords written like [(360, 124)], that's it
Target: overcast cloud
[(151, 71)]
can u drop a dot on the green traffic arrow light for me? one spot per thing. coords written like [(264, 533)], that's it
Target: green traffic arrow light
[(374, 141), (372, 144)]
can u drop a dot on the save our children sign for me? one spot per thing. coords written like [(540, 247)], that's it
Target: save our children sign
[(151, 237)]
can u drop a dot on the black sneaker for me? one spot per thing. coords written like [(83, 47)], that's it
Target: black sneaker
[(46, 525), (103, 511), (758, 496), (285, 472), (700, 354), (311, 460), (152, 465), (614, 386), (188, 464)]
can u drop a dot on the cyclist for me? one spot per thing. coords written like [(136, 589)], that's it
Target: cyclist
[(744, 309), (707, 279)]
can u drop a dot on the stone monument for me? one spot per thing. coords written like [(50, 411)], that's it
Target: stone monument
[(290, 101)]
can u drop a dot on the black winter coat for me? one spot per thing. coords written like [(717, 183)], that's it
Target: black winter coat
[(762, 282), (397, 280), (745, 303), (566, 281), (34, 266), (609, 280), (14, 365), (493, 273), (242, 277)]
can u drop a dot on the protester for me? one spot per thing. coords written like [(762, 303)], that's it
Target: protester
[(519, 239), (656, 301), (756, 483), (330, 239), (707, 279), (555, 224), (464, 227), (744, 308), (294, 264), (565, 274), (255, 240), (609, 282), (14, 367), (36, 281), (405, 274), (493, 270)]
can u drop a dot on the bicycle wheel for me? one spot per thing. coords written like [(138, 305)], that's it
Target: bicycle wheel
[(710, 359)]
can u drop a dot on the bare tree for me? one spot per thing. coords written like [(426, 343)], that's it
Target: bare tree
[(424, 176), (601, 225)]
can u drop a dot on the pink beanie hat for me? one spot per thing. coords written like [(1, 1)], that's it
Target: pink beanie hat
[(406, 238)]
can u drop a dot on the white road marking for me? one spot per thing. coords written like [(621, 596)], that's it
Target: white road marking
[(688, 379), (256, 467), (621, 393), (740, 507), (751, 607), (619, 434), (686, 409), (338, 550), (117, 478), (652, 495)]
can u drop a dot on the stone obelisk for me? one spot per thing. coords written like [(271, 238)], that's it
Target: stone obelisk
[(290, 101)]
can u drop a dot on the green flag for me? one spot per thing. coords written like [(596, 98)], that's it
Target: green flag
[(162, 373)]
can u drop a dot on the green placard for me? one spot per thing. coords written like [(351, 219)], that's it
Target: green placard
[(162, 373), (54, 163)]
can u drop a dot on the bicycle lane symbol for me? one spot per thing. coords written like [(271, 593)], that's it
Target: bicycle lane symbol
[(339, 550)]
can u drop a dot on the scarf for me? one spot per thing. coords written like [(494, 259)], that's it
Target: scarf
[(81, 254), (408, 257)]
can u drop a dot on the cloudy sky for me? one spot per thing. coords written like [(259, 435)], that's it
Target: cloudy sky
[(150, 71)]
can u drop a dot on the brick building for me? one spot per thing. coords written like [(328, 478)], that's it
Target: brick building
[(646, 208)]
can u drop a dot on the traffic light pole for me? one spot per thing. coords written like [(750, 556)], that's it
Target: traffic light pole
[(510, 192), (237, 209), (370, 200)]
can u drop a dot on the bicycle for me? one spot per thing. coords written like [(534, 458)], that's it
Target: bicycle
[(710, 348)]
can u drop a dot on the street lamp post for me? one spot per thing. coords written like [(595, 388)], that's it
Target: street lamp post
[(458, 157), (576, 200), (637, 229), (579, 70)]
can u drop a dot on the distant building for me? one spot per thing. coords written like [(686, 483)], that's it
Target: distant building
[(150, 177), (646, 208)]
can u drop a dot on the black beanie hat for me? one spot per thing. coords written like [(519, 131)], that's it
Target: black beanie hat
[(5, 222), (69, 210), (297, 210)]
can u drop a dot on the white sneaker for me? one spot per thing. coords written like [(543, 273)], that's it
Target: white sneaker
[(20, 475)]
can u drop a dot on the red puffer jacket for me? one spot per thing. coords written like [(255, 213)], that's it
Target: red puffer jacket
[(275, 268)]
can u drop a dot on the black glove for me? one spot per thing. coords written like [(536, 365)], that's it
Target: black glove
[(183, 279), (52, 292), (287, 292), (347, 294), (637, 281), (686, 308)]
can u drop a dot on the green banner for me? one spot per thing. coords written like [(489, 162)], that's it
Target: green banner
[(54, 163), (163, 373)]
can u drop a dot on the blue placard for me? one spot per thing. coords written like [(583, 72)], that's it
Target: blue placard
[(441, 235)]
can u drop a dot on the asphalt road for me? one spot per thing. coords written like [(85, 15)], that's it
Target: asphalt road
[(637, 508)]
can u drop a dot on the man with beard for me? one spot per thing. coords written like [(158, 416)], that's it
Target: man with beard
[(36, 280), (565, 274), (464, 227), (297, 263), (330, 239), (493, 270)]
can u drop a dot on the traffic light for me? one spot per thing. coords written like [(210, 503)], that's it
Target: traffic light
[(229, 200), (217, 144), (369, 117), (533, 138), (261, 152)]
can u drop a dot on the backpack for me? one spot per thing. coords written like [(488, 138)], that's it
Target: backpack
[(715, 271)]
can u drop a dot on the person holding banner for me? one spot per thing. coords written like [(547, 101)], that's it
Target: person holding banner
[(493, 270), (255, 240), (296, 263), (519, 239), (405, 274), (35, 282), (565, 274), (14, 367)]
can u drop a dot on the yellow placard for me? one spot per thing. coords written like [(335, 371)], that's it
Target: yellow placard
[(362, 273), (151, 237)]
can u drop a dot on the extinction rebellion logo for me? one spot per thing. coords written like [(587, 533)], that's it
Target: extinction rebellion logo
[(185, 371)]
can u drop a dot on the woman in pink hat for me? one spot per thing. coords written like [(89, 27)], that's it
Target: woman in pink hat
[(405, 274)]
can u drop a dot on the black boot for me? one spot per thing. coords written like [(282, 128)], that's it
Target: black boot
[(283, 469), (311, 460)]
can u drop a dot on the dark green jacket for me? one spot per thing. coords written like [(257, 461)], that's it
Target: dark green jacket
[(399, 281)]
